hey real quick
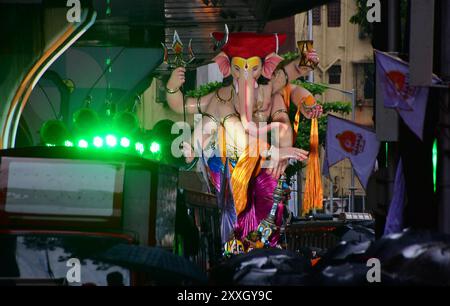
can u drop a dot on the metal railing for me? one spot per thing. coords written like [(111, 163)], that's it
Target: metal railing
[(339, 205)]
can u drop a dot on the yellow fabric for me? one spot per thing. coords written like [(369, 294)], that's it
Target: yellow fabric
[(313, 196), (242, 173), (296, 123), (287, 103), (223, 144), (246, 168), (287, 95)]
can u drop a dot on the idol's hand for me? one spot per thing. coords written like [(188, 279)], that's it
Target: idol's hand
[(315, 112), (275, 155), (276, 170), (287, 153), (279, 159), (313, 57), (177, 78)]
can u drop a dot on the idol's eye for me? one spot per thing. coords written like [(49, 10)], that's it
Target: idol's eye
[(255, 68), (236, 67)]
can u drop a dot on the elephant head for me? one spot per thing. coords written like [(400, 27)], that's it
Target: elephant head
[(246, 57)]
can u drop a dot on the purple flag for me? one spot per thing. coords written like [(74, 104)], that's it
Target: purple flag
[(359, 144), (226, 204), (326, 167), (394, 220), (409, 101)]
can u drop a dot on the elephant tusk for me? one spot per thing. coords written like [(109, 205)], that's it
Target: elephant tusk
[(219, 44)]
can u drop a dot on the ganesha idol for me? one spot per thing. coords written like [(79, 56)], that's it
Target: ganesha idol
[(248, 62)]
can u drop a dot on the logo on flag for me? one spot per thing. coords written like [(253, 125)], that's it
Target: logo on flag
[(400, 88), (351, 142)]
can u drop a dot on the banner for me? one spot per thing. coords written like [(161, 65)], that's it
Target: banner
[(359, 144), (394, 220), (409, 101)]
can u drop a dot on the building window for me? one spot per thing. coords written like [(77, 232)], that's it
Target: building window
[(369, 86), (334, 13), (364, 82), (334, 74), (316, 13)]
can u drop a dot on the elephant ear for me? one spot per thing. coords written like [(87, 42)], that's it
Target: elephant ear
[(270, 64), (223, 62)]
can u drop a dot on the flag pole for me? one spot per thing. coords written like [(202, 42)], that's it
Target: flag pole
[(352, 178), (310, 37)]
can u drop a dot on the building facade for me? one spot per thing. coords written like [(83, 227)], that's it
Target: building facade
[(346, 55)]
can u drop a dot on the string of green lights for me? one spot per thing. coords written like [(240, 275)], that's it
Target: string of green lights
[(111, 142)]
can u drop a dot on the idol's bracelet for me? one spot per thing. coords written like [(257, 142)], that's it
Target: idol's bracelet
[(172, 91), (309, 107)]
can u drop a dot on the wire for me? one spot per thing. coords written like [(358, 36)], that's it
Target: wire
[(104, 72), (49, 101), (49, 268), (137, 100)]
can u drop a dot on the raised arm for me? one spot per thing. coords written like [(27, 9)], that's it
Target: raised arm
[(282, 143), (279, 114), (201, 136), (304, 99), (175, 96), (292, 71)]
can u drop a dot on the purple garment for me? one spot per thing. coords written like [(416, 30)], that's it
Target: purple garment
[(215, 179), (326, 166), (259, 204), (394, 220), (225, 202)]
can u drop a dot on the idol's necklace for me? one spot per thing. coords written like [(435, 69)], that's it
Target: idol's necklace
[(223, 101)]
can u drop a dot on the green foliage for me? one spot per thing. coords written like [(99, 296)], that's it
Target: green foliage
[(338, 107), (290, 56), (313, 88), (287, 58), (366, 28), (203, 90), (304, 128)]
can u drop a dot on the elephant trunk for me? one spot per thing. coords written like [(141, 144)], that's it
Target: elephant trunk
[(246, 96)]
